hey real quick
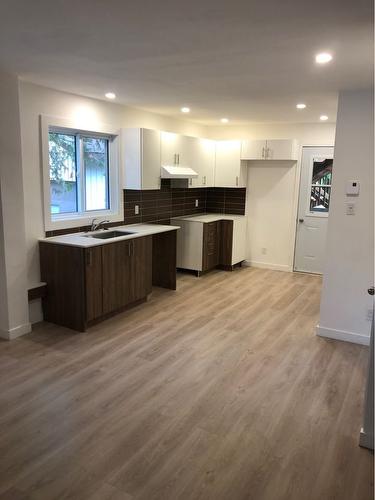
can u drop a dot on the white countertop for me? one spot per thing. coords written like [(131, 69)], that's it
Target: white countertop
[(208, 217), (82, 239)]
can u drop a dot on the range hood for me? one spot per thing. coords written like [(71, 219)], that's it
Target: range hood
[(177, 173)]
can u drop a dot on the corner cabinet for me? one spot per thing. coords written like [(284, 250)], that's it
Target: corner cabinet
[(141, 158), (86, 285), (229, 171), (275, 149)]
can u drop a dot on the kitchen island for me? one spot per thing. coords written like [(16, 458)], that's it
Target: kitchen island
[(91, 276)]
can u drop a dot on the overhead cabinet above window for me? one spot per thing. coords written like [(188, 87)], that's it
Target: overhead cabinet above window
[(275, 149)]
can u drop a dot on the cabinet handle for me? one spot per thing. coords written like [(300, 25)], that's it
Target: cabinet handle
[(204, 182), (263, 152), (190, 182), (237, 180), (267, 153), (129, 249), (178, 159)]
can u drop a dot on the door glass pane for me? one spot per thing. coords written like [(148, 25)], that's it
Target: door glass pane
[(95, 160), (63, 173), (320, 198), (322, 171), (320, 193)]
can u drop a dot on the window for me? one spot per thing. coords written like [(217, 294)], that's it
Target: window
[(321, 183), (81, 179)]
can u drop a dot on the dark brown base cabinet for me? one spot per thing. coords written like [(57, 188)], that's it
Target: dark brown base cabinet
[(89, 284)]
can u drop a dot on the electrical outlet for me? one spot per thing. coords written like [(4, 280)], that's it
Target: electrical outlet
[(264, 251), (136, 209), (196, 203)]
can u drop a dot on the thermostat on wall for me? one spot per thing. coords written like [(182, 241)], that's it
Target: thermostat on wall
[(352, 188)]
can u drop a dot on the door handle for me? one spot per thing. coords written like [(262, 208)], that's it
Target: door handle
[(301, 220), (371, 291)]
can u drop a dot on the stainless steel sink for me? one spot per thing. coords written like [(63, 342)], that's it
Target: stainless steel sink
[(108, 234)]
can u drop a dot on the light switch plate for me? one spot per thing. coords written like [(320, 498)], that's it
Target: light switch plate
[(136, 209), (196, 203), (350, 209)]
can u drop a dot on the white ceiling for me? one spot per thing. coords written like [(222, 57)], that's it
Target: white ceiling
[(249, 60)]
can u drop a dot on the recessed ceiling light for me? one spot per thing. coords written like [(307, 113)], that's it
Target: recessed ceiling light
[(185, 110), (110, 95), (224, 120), (323, 118), (301, 106), (323, 58)]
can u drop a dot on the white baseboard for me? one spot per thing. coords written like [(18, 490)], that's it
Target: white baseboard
[(366, 440), (18, 331), (266, 265), (331, 333)]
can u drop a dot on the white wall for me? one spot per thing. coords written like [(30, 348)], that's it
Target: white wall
[(270, 208), (14, 314), (345, 305), (272, 190), (36, 100)]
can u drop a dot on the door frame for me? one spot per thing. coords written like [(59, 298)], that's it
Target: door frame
[(298, 194)]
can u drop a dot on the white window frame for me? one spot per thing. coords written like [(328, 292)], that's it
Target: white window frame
[(311, 213), (70, 220)]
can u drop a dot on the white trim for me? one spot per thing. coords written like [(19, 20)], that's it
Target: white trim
[(116, 214), (266, 265), (13, 333), (332, 333), (366, 440)]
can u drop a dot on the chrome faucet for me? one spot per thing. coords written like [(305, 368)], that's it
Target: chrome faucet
[(97, 225)]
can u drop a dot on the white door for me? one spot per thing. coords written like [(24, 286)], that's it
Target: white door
[(313, 209)]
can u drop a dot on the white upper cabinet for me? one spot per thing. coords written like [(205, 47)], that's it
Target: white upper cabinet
[(176, 149), (253, 150), (282, 149), (229, 171), (203, 162), (141, 158), (278, 149)]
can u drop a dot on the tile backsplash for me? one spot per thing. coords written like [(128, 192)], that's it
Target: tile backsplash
[(160, 205)]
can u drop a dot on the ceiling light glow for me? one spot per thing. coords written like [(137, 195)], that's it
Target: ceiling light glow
[(323, 58), (224, 120), (110, 95), (301, 106), (185, 109), (324, 118)]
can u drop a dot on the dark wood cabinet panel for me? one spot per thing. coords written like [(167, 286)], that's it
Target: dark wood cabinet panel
[(211, 245), (226, 243), (93, 283), (164, 258), (141, 268), (116, 275), (62, 268)]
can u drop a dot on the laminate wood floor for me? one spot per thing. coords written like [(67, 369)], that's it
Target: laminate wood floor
[(220, 390)]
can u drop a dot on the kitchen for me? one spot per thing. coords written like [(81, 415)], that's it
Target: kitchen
[(186, 250)]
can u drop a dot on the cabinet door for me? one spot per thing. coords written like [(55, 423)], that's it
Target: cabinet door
[(150, 159), (185, 147), (253, 150), (140, 278), (211, 245), (93, 283), (203, 162), (281, 149), (116, 275), (228, 164), (169, 143)]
